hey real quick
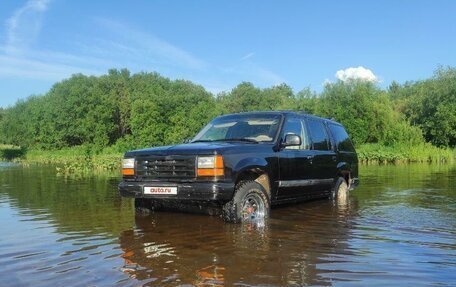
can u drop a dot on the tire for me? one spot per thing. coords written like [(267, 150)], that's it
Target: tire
[(340, 191), (146, 205), (250, 203)]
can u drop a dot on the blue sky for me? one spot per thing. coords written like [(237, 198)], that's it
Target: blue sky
[(219, 44)]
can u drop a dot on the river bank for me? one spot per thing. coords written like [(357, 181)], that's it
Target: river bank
[(67, 161), (401, 153), (84, 160)]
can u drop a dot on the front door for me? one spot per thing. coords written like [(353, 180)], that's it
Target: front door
[(295, 162)]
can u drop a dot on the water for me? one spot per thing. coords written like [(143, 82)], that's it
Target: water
[(398, 228)]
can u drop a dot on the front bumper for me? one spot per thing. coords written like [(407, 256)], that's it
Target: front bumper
[(193, 191)]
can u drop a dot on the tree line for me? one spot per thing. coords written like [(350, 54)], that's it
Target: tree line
[(122, 111)]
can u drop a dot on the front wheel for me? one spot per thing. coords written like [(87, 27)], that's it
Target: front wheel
[(250, 203)]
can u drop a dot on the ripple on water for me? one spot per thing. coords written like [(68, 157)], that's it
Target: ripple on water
[(79, 232)]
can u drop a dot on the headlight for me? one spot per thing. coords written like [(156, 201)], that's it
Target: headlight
[(128, 163), (210, 165), (128, 166), (206, 162)]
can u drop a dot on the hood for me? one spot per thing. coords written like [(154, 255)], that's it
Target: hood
[(201, 148)]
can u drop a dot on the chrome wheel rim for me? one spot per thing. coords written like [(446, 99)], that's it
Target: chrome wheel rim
[(253, 207)]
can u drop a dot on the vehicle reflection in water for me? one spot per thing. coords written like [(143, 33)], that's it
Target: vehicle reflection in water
[(178, 248)]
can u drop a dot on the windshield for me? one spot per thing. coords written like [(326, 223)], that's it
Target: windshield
[(248, 128)]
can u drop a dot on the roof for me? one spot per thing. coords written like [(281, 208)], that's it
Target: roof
[(285, 113)]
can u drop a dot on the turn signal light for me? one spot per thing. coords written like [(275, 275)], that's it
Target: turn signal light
[(128, 171), (210, 172)]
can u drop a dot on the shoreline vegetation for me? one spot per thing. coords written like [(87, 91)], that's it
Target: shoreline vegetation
[(81, 161), (74, 160), (423, 153), (86, 123)]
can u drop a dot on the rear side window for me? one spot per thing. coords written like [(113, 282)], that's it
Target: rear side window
[(343, 142), (318, 135)]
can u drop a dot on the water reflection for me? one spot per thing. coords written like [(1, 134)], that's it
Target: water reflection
[(177, 248), (88, 205), (398, 228)]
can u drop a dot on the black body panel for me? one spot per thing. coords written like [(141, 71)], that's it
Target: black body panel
[(293, 174)]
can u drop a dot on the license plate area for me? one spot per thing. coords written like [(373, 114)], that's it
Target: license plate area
[(160, 190)]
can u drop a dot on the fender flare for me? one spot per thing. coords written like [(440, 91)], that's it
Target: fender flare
[(343, 170), (257, 166), (248, 164)]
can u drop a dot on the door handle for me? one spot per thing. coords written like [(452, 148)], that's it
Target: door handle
[(334, 158), (309, 157)]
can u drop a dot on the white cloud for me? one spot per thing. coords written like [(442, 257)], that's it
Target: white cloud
[(358, 73), (35, 69), (147, 45), (118, 45), (268, 76), (18, 59), (250, 71), (24, 25), (249, 55), (136, 49)]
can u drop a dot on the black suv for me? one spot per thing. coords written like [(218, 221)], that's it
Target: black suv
[(244, 163)]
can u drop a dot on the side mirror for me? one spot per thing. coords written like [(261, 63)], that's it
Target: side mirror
[(291, 140)]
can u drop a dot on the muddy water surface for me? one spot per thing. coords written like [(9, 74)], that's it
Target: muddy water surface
[(398, 228)]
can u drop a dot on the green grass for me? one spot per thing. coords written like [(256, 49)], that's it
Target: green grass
[(79, 160), (83, 161), (376, 153)]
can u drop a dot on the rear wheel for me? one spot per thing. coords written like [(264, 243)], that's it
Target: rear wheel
[(250, 203), (340, 190)]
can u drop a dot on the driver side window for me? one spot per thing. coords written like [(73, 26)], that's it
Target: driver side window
[(297, 127)]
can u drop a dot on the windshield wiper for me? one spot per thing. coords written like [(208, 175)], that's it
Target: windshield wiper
[(202, 141), (227, 140), (237, 140)]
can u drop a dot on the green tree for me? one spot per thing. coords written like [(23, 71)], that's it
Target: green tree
[(245, 97), (2, 135), (431, 104), (306, 101), (127, 111), (81, 113), (20, 124), (366, 112), (117, 89)]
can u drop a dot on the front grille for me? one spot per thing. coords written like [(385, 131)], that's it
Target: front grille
[(166, 167)]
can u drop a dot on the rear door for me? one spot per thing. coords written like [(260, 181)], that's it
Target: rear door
[(295, 162), (324, 161), (346, 152)]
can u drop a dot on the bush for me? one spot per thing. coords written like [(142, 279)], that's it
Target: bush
[(426, 152)]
